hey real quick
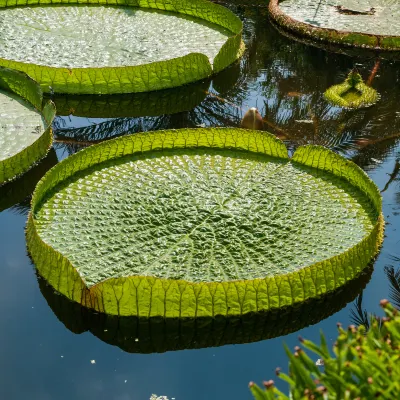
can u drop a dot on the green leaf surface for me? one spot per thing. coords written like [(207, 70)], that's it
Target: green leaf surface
[(25, 128), (117, 47), (201, 223), (361, 23), (352, 93)]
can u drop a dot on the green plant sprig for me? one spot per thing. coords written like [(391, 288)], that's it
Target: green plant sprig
[(364, 365)]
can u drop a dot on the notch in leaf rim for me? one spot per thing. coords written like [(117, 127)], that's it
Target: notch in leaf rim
[(147, 296)]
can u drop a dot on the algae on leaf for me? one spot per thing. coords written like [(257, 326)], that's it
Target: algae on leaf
[(202, 222), (25, 127), (352, 93), (360, 23), (124, 47)]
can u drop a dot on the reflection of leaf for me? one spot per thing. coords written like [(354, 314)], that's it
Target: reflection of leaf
[(360, 316), (394, 281), (150, 335), (17, 191), (393, 175)]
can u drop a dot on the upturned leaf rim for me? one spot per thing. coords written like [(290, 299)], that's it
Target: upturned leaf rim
[(25, 87), (328, 35), (145, 296), (129, 79)]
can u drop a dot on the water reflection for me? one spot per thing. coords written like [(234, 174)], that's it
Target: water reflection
[(158, 335), (17, 193)]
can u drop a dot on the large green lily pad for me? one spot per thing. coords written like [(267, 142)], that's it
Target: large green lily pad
[(25, 127), (117, 47), (201, 223), (361, 23)]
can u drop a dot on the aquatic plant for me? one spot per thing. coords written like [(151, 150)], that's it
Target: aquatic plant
[(366, 24), (202, 222), (352, 93), (118, 47), (365, 365), (25, 125)]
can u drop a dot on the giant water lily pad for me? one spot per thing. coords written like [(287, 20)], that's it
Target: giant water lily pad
[(132, 46), (352, 93), (25, 127), (202, 222), (360, 23)]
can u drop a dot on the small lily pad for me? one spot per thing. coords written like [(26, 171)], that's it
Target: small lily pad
[(352, 93)]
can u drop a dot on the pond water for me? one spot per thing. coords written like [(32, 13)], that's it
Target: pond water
[(62, 352)]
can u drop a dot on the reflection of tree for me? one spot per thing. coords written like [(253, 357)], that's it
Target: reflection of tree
[(359, 315)]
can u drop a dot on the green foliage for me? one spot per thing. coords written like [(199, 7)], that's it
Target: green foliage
[(176, 250), (157, 75), (19, 152), (352, 93), (364, 365)]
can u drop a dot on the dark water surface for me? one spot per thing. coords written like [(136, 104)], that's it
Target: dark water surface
[(48, 353)]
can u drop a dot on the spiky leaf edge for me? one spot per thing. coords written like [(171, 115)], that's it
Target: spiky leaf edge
[(151, 297), (20, 84), (140, 78)]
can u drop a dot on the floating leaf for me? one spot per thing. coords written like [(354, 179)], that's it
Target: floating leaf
[(25, 127), (118, 47), (361, 23), (202, 222), (17, 192), (352, 93)]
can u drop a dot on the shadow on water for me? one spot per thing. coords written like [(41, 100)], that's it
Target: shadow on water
[(157, 335), (285, 80), (17, 193)]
